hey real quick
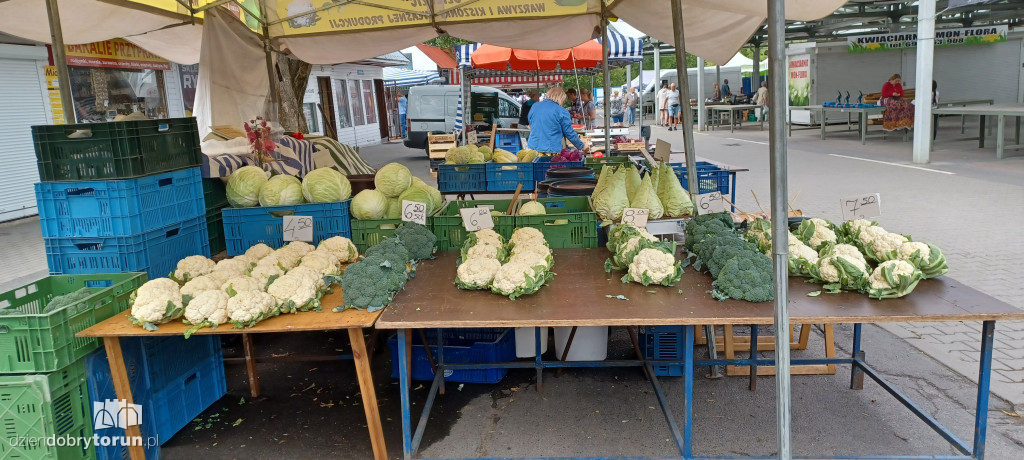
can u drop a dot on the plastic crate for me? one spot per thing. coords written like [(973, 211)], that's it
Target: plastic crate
[(215, 231), (598, 163), (152, 363), (505, 177), (367, 233), (487, 345), (663, 342), (215, 193), (462, 178), (569, 222), (33, 341), (510, 142), (245, 227), (708, 180), (116, 150), (155, 252), (450, 232), (119, 207), (37, 406), (177, 404), (541, 165)]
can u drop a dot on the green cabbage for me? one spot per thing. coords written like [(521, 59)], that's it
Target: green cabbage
[(532, 208), (633, 182), (392, 179), (369, 204), (419, 195), (435, 197), (243, 189), (457, 155), (281, 190), (644, 197), (326, 185), (673, 197), (486, 152), (394, 209), (609, 196)]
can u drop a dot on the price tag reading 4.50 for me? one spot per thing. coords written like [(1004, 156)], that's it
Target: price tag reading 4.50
[(414, 211), (709, 203), (476, 219), (298, 228), (861, 207), (637, 217)]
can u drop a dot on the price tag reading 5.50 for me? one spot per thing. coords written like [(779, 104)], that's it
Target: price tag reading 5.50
[(414, 211), (861, 207), (636, 217), (709, 203), (298, 228), (476, 219)]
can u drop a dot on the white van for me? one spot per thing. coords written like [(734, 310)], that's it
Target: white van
[(432, 111)]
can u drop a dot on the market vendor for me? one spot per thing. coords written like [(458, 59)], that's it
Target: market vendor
[(550, 123)]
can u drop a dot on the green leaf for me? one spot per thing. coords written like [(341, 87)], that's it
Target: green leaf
[(231, 291), (814, 294), (149, 326)]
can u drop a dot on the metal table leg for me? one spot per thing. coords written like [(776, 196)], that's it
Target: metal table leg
[(822, 122), (1000, 142), (984, 381), (753, 357), (404, 381), (862, 118), (856, 373), (688, 332), (981, 131)]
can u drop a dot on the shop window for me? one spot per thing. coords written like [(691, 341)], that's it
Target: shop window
[(341, 98), (507, 109), (370, 102), (312, 115), (356, 100), (101, 94)]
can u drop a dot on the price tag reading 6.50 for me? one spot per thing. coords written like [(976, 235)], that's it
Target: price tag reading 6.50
[(476, 219), (709, 203), (861, 207), (298, 228), (414, 211), (636, 217)]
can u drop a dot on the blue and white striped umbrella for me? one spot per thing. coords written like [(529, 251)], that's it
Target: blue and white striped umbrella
[(621, 47), (463, 53), (458, 116), (406, 77)]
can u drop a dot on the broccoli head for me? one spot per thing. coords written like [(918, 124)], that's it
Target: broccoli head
[(418, 240), (392, 250), (371, 283), (705, 249), (723, 217), (748, 276), (697, 231), (724, 253)]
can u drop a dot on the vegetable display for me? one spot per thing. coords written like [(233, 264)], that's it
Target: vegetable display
[(326, 185), (243, 187), (646, 260), (532, 208), (524, 271), (394, 183), (250, 186), (740, 271), (567, 155)]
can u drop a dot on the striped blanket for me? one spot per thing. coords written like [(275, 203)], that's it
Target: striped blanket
[(333, 154), (293, 157)]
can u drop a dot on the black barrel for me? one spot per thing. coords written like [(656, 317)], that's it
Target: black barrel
[(570, 173), (572, 187)]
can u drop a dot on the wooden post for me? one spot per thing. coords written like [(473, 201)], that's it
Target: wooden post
[(368, 392), (250, 365), (123, 390)]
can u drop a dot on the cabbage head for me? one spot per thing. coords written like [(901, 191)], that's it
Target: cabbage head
[(281, 190), (243, 189), (633, 183), (369, 204), (486, 152), (435, 196), (394, 209), (645, 198), (457, 155), (419, 195), (673, 196), (532, 208), (326, 185), (392, 179), (610, 195)]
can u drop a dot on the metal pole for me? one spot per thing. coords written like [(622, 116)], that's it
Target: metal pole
[(780, 220), (718, 75), (922, 98), (657, 83), (640, 102), (607, 83), (701, 110), (755, 81), (60, 61)]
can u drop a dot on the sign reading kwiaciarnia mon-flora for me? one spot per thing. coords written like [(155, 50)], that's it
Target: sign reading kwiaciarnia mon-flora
[(943, 37)]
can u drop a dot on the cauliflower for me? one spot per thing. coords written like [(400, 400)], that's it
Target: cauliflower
[(892, 279), (842, 267), (295, 292), (235, 266), (250, 307), (287, 258), (313, 274), (851, 229), (221, 276), (341, 247), (242, 283), (257, 252), (197, 285), (517, 279), (908, 249), (489, 235), (156, 302), (476, 273), (801, 258), (264, 272), (300, 248), (323, 262), (208, 309), (926, 257), (885, 247), (535, 254), (526, 234), (483, 249), (626, 241), (868, 234), (816, 232), (191, 267), (653, 266)]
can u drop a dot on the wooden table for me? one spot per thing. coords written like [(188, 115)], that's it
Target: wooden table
[(354, 321), (862, 118), (1000, 112), (579, 296)]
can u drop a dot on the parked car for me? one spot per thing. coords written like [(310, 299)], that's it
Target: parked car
[(432, 111)]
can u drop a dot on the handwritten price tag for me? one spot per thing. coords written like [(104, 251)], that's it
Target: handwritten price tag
[(298, 228), (635, 216), (414, 211), (861, 207), (710, 203), (476, 219)]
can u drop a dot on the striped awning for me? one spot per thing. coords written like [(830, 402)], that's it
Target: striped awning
[(406, 77), (621, 47), (513, 80)]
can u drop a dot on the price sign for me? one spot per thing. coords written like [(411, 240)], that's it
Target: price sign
[(414, 211), (861, 207), (637, 217), (476, 218), (298, 228), (709, 203)]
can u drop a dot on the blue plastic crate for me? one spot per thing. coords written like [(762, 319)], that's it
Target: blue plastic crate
[(155, 252), (504, 177), (663, 342), (119, 207), (508, 141), (708, 180), (487, 345), (462, 178), (245, 227), (541, 165)]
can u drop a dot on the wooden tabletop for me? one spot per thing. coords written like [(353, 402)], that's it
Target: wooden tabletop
[(120, 326), (578, 296)]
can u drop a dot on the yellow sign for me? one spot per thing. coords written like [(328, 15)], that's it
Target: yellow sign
[(302, 17), (53, 92), (117, 54)]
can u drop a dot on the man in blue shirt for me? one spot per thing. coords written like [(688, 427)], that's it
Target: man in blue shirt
[(403, 107), (726, 91), (550, 124)]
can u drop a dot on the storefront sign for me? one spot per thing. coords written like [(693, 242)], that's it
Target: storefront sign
[(53, 92), (115, 54), (799, 80), (943, 37)]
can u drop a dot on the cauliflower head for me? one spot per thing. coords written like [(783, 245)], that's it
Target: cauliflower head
[(801, 258), (525, 235), (926, 257), (287, 258), (653, 266), (323, 262), (343, 248), (820, 233), (842, 268), (235, 266), (885, 247), (299, 247), (156, 302), (250, 307), (209, 308), (296, 292), (908, 249), (241, 283), (533, 253), (191, 267), (516, 279), (262, 273), (490, 235), (197, 285), (312, 274), (486, 250), (257, 252), (892, 279), (476, 273)]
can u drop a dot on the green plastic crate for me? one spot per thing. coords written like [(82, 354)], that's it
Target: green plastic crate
[(569, 223), (367, 233), (38, 406), (116, 150), (31, 341), (215, 230), (448, 227), (215, 194), (597, 163)]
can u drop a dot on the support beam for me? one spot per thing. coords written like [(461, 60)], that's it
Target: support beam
[(60, 61), (702, 114), (923, 81), (684, 99), (657, 83), (607, 83), (275, 97)]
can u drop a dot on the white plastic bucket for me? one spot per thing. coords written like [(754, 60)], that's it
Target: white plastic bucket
[(589, 344), (526, 342)]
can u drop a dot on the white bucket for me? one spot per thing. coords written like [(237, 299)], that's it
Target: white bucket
[(589, 344), (526, 341)]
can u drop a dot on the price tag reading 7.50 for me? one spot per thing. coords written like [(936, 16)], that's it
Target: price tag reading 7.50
[(476, 219), (414, 211), (861, 207), (298, 228), (637, 217), (709, 203)]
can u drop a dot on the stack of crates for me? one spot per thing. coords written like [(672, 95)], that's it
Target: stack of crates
[(215, 196), (43, 389), (121, 196)]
